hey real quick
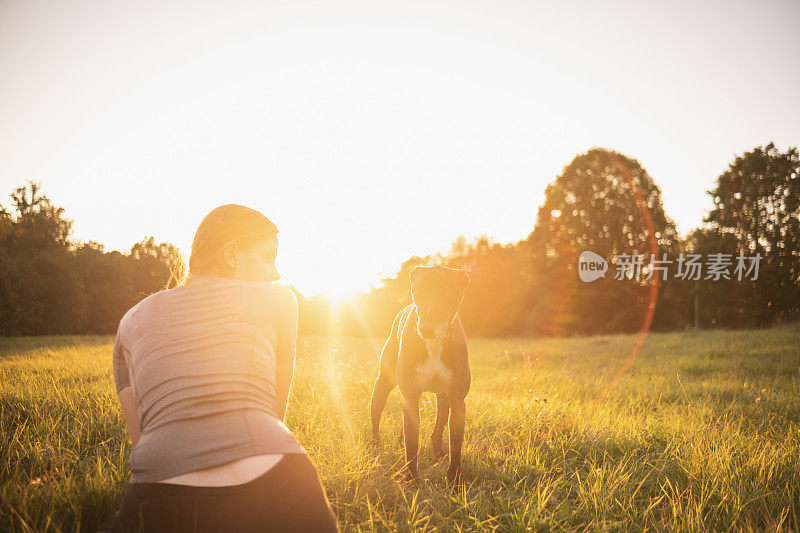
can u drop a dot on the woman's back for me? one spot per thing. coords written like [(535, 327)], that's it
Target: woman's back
[(201, 362), (203, 374)]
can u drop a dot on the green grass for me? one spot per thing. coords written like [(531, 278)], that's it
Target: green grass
[(703, 433)]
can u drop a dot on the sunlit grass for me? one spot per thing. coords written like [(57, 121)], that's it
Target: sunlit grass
[(703, 433)]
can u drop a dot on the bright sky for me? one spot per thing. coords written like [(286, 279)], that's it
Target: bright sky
[(373, 131)]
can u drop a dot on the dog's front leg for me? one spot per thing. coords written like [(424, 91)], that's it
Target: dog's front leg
[(442, 413), (411, 432), (457, 418)]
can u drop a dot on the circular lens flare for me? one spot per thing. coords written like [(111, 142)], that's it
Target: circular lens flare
[(653, 289)]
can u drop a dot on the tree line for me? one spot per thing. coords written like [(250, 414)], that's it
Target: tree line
[(607, 203), (602, 201), (52, 285)]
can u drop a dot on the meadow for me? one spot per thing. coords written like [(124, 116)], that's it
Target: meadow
[(701, 433)]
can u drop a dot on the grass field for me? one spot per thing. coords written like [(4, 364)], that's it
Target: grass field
[(703, 433)]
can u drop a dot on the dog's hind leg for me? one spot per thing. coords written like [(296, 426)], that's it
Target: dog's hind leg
[(380, 392), (442, 413)]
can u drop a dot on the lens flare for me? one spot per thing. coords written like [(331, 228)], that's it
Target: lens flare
[(653, 292)]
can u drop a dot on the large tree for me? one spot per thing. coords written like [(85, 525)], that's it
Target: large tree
[(757, 202), (607, 203)]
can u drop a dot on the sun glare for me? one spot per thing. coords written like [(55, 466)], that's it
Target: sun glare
[(339, 297), (337, 286)]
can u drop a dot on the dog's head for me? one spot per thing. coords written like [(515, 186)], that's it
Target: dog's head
[(437, 292)]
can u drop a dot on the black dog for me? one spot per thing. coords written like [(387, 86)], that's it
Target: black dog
[(427, 351)]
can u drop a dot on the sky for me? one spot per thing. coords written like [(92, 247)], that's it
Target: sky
[(373, 131)]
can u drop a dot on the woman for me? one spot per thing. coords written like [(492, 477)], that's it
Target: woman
[(203, 374)]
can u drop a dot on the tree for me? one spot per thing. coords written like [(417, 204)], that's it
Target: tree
[(52, 285), (41, 290), (722, 302), (109, 286), (494, 302), (757, 202), (156, 266), (37, 223), (606, 203)]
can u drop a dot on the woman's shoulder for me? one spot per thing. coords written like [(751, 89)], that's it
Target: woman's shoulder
[(263, 289), (279, 295), (145, 307), (269, 295), (212, 292), (267, 302)]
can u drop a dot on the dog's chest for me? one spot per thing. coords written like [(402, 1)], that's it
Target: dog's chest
[(433, 375)]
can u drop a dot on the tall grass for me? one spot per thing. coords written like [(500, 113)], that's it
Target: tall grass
[(703, 433)]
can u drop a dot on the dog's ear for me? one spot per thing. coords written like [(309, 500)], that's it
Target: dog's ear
[(463, 278), (414, 273)]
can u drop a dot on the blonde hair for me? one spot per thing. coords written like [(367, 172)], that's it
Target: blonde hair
[(230, 222)]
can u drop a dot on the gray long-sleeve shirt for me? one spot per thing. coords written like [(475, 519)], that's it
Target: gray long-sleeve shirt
[(200, 360)]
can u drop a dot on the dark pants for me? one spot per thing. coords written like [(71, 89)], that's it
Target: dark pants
[(287, 497)]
